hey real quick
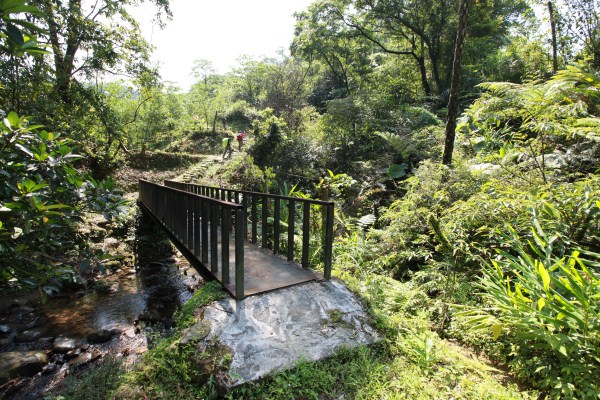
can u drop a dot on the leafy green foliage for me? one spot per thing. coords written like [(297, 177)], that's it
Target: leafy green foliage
[(531, 125), (166, 371), (18, 35), (42, 197), (550, 308), (104, 377)]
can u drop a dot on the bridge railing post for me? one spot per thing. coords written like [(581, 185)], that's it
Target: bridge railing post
[(254, 218), (214, 217), (225, 229), (291, 233), (305, 233), (265, 221), (276, 224), (205, 240), (327, 251), (240, 236)]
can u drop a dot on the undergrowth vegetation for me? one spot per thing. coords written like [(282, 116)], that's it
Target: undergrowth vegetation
[(166, 370), (496, 253), (43, 197)]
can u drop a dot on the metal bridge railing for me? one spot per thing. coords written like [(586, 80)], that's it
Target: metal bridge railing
[(196, 222), (264, 212)]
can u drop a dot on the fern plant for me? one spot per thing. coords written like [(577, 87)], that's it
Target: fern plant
[(523, 124)]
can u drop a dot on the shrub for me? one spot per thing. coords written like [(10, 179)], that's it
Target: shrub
[(407, 230), (568, 210), (42, 197), (550, 309)]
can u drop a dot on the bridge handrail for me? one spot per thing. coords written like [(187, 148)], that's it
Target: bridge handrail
[(251, 200), (282, 197), (195, 221)]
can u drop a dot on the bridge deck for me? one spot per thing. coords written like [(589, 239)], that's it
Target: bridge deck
[(263, 270)]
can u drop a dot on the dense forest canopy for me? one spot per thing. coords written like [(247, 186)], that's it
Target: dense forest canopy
[(357, 108)]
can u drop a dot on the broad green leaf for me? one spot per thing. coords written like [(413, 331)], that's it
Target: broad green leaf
[(15, 34), (43, 296), (23, 8), (396, 171), (563, 350), (24, 149), (13, 119), (541, 303), (55, 206), (545, 276), (25, 24), (64, 150), (496, 330)]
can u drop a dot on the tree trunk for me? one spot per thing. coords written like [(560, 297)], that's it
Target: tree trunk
[(434, 57), (215, 122), (423, 72), (64, 63), (554, 45), (463, 11)]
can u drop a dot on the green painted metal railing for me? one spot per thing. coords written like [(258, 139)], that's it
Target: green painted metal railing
[(272, 206)]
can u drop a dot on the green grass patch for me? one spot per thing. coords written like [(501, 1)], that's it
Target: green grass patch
[(209, 292), (410, 362), (167, 370), (94, 383)]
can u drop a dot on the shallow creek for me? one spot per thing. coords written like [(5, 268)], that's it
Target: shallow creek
[(124, 306)]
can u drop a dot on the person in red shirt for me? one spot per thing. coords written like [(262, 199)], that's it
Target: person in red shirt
[(240, 139)]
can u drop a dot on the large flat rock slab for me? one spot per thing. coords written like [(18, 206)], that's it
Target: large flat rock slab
[(273, 331)]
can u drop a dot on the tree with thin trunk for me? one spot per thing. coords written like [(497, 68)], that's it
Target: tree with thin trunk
[(463, 11), (554, 41)]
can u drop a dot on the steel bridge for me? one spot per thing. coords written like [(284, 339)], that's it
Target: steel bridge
[(251, 242)]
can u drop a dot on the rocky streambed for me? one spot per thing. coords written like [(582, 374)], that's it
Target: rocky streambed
[(114, 314)]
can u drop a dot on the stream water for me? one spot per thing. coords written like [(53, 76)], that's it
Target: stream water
[(154, 293), (128, 303)]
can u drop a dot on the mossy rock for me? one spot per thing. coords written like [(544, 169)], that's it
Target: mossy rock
[(214, 359)]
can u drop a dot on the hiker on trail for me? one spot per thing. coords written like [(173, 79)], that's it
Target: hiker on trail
[(226, 143), (240, 139)]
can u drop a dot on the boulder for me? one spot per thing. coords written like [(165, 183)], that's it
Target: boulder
[(21, 363), (64, 344), (71, 354), (151, 315), (195, 333), (28, 336), (99, 336), (81, 359), (4, 329)]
